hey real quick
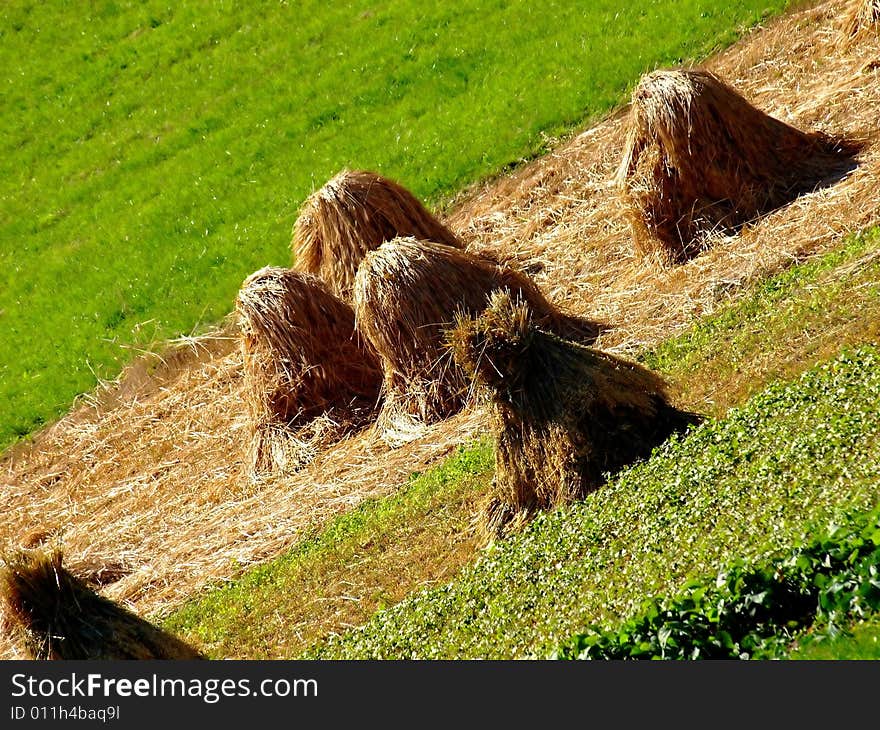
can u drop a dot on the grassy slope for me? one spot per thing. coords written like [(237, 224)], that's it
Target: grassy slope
[(799, 317), (754, 609), (806, 320), (151, 156)]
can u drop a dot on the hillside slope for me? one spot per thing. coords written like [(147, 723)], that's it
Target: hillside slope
[(422, 535), (147, 478)]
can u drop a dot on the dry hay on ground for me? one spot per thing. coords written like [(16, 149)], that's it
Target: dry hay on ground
[(861, 24), (52, 614), (561, 214), (699, 159), (155, 480), (407, 293), (308, 381), (564, 415), (354, 213)]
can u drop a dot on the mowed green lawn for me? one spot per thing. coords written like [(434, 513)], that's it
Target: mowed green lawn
[(154, 154)]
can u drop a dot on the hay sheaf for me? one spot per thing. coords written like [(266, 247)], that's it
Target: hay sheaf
[(55, 615), (861, 23), (700, 159), (564, 415), (308, 380), (354, 213), (407, 293)]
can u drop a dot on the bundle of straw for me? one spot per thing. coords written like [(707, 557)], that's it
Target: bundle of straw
[(355, 212), (700, 159), (406, 294), (55, 615), (564, 415), (861, 23), (308, 381)]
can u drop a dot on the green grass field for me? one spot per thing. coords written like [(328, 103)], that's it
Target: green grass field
[(151, 156)]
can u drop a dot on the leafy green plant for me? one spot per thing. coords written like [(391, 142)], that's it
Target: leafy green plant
[(753, 610)]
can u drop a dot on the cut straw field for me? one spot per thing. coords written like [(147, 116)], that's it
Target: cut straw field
[(149, 474), (564, 214)]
